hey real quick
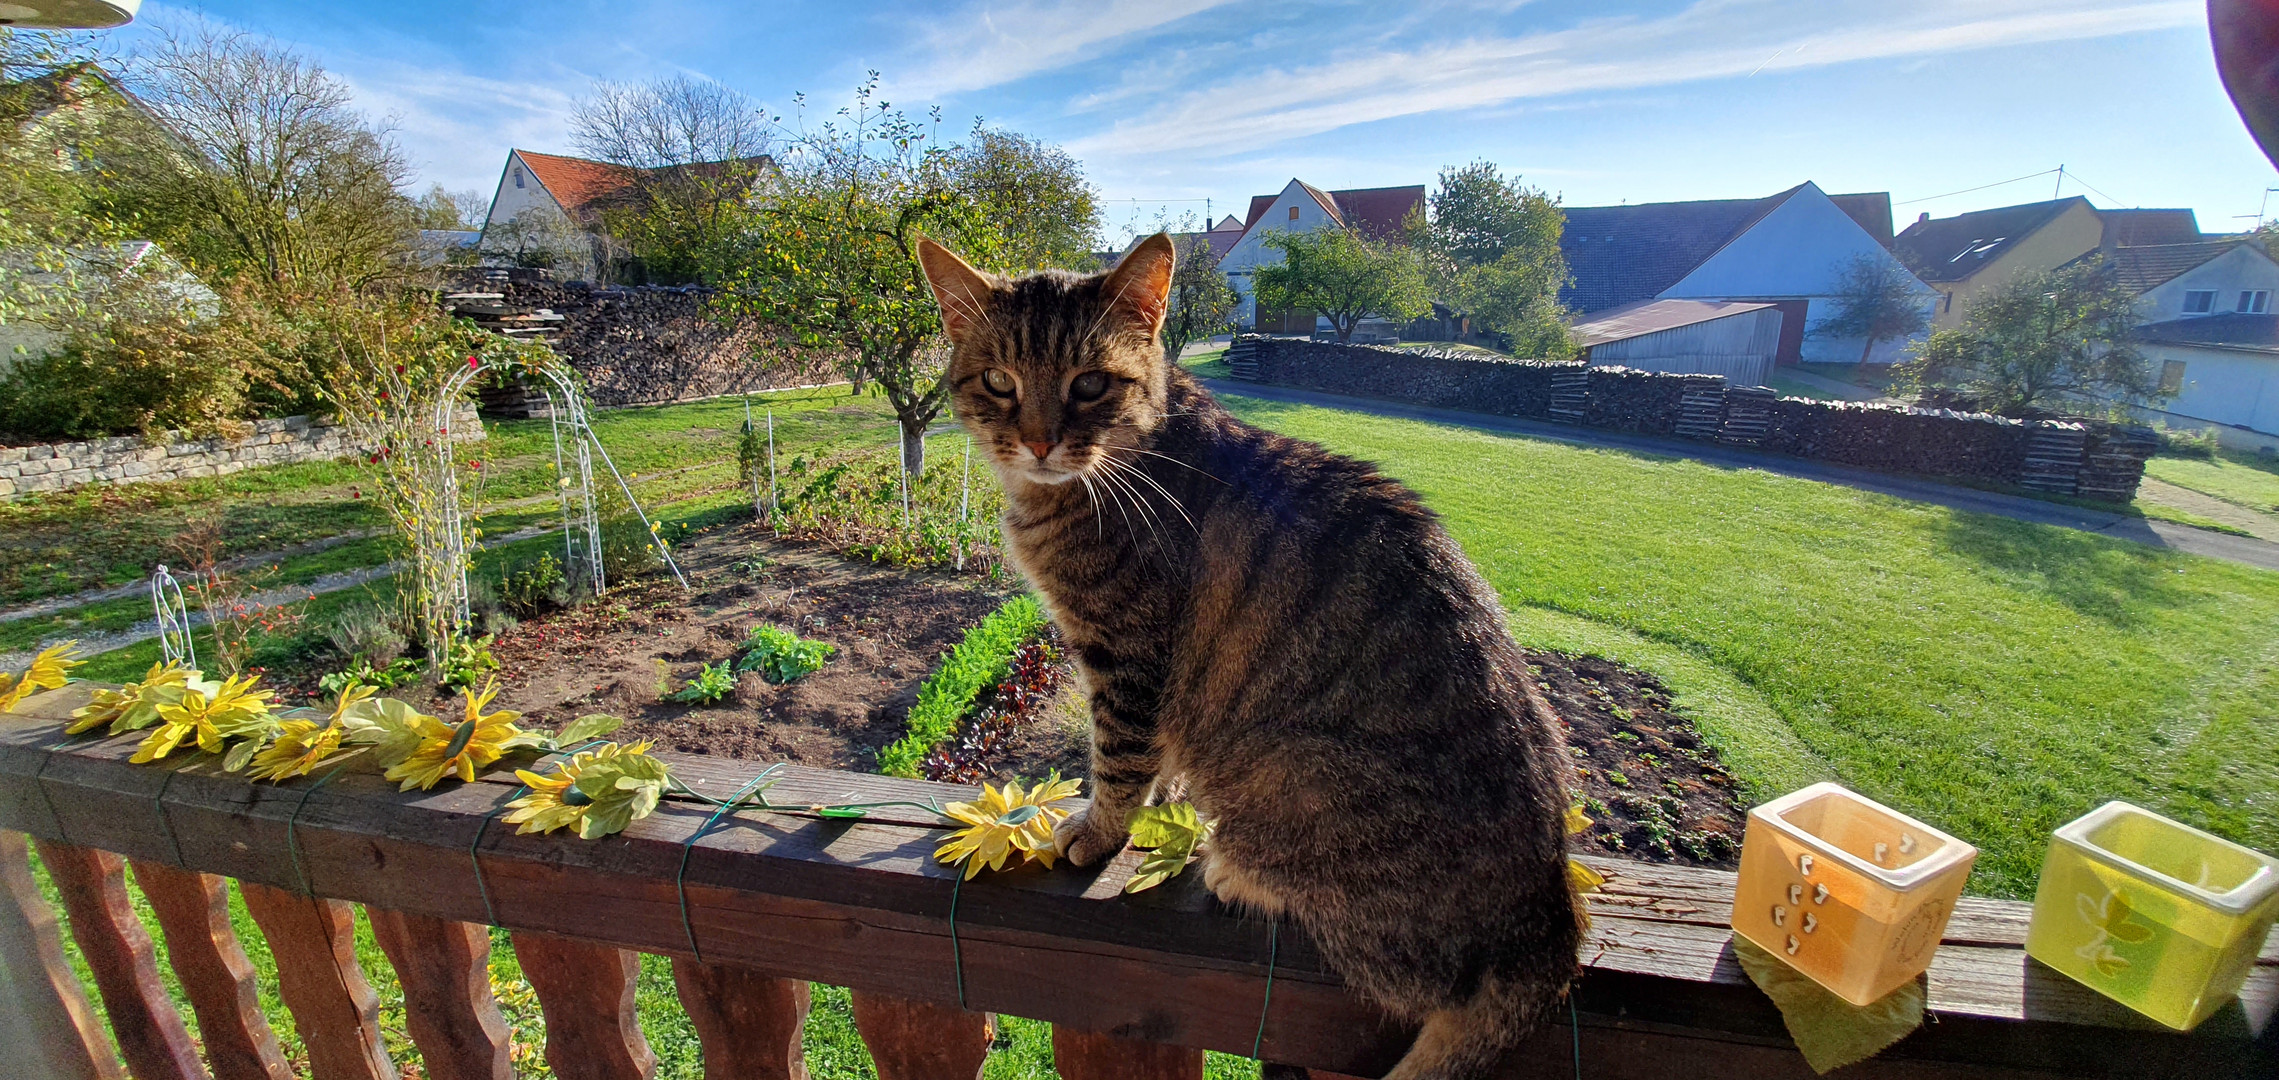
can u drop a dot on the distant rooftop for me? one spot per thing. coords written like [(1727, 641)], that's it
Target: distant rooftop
[(1653, 317), (2259, 333)]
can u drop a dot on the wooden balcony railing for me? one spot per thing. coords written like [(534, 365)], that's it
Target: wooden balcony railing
[(1136, 985)]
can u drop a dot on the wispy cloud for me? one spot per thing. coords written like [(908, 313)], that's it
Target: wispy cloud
[(985, 44), (1713, 39), (458, 127)]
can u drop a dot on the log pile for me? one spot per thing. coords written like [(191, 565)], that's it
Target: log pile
[(638, 345), (2091, 458)]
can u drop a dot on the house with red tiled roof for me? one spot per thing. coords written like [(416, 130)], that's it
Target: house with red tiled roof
[(547, 190), (1377, 213)]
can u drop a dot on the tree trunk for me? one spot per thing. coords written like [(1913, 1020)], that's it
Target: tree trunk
[(1867, 346), (913, 445)]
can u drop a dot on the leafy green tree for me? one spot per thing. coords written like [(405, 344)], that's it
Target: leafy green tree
[(1877, 300), (830, 257), (1202, 303), (2059, 340), (441, 209), (1490, 247), (1344, 276), (1041, 210)]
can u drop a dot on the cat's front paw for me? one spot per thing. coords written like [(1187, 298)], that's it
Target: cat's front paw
[(1238, 888), (1082, 842)]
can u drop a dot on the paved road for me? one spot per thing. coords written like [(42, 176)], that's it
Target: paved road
[(2239, 549)]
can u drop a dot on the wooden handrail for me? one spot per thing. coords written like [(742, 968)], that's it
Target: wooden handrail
[(862, 904)]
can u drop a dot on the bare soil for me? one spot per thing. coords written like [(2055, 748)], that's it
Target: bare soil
[(1651, 786), (1654, 789), (890, 627)]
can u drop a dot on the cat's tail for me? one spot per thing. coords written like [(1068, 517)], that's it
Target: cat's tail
[(1465, 1042)]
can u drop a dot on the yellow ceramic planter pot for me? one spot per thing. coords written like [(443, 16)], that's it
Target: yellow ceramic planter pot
[(2154, 914), (1851, 893)]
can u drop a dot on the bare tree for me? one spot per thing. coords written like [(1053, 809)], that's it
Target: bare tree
[(1877, 300), (293, 184), (463, 209), (693, 152)]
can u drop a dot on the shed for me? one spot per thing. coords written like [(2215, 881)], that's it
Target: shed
[(1737, 339)]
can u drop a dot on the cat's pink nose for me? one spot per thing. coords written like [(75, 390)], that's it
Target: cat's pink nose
[(1040, 449)]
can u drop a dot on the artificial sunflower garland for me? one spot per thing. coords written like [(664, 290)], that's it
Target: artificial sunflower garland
[(210, 714), (48, 671), (134, 706), (600, 791), (460, 749), (1007, 821)]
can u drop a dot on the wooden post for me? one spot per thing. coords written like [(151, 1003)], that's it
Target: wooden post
[(748, 1023), (151, 1035), (917, 1040), (445, 968), (47, 1029), (193, 910), (592, 1031), (334, 1009), (1094, 1055)]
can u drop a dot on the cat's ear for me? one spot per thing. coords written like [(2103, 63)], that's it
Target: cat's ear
[(962, 291), (1139, 288)]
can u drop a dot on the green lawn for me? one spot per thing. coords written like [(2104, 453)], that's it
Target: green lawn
[(2242, 479), (1993, 677), (1208, 365)]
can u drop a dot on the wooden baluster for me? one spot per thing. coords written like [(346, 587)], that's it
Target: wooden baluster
[(118, 950), (334, 1009), (445, 968), (917, 1040), (1093, 1055), (193, 909), (592, 1031), (47, 1029), (747, 1023)]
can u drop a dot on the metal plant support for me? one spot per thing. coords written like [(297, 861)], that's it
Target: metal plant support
[(173, 616), (581, 518)]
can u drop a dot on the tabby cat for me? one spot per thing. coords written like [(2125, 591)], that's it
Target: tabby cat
[(1294, 637)]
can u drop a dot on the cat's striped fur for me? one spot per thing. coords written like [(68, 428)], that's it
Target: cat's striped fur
[(1294, 637)]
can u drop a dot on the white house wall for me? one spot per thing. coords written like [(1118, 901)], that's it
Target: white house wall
[(2243, 267), (1249, 253), (2222, 386), (1797, 252), (510, 200)]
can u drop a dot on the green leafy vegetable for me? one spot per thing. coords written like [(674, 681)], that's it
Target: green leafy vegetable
[(781, 656)]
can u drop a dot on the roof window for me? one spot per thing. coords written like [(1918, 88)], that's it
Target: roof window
[(2254, 302), (2199, 301)]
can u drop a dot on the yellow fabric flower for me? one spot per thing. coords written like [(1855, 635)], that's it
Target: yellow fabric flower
[(300, 748), (1003, 822), (208, 714), (49, 670), (1581, 878), (600, 791), (460, 749), (134, 706)]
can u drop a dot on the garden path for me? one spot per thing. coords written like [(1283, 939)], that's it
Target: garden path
[(2260, 525), (2245, 550)]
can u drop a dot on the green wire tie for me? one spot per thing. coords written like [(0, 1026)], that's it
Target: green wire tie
[(482, 884), (158, 804), (292, 835), (957, 955), (1273, 956), (688, 848)]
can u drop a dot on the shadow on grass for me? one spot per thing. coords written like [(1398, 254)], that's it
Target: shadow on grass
[(2117, 582)]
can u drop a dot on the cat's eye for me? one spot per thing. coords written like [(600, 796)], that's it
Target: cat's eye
[(999, 381), (1088, 386)]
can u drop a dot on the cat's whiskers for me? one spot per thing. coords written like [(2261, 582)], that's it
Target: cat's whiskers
[(1116, 483), (1173, 460), (1099, 530), (1132, 470)]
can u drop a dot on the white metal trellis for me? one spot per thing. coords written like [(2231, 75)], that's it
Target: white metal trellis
[(581, 520), (173, 617)]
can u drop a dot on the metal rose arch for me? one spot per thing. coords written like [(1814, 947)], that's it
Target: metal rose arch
[(581, 519)]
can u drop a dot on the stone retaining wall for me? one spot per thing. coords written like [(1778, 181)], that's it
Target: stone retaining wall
[(26, 470), (2089, 458)]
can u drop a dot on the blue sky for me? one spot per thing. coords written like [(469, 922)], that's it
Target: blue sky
[(1195, 99)]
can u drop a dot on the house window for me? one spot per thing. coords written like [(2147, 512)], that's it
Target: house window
[(2254, 301), (1293, 213), (2171, 376), (518, 176), (2199, 301)]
